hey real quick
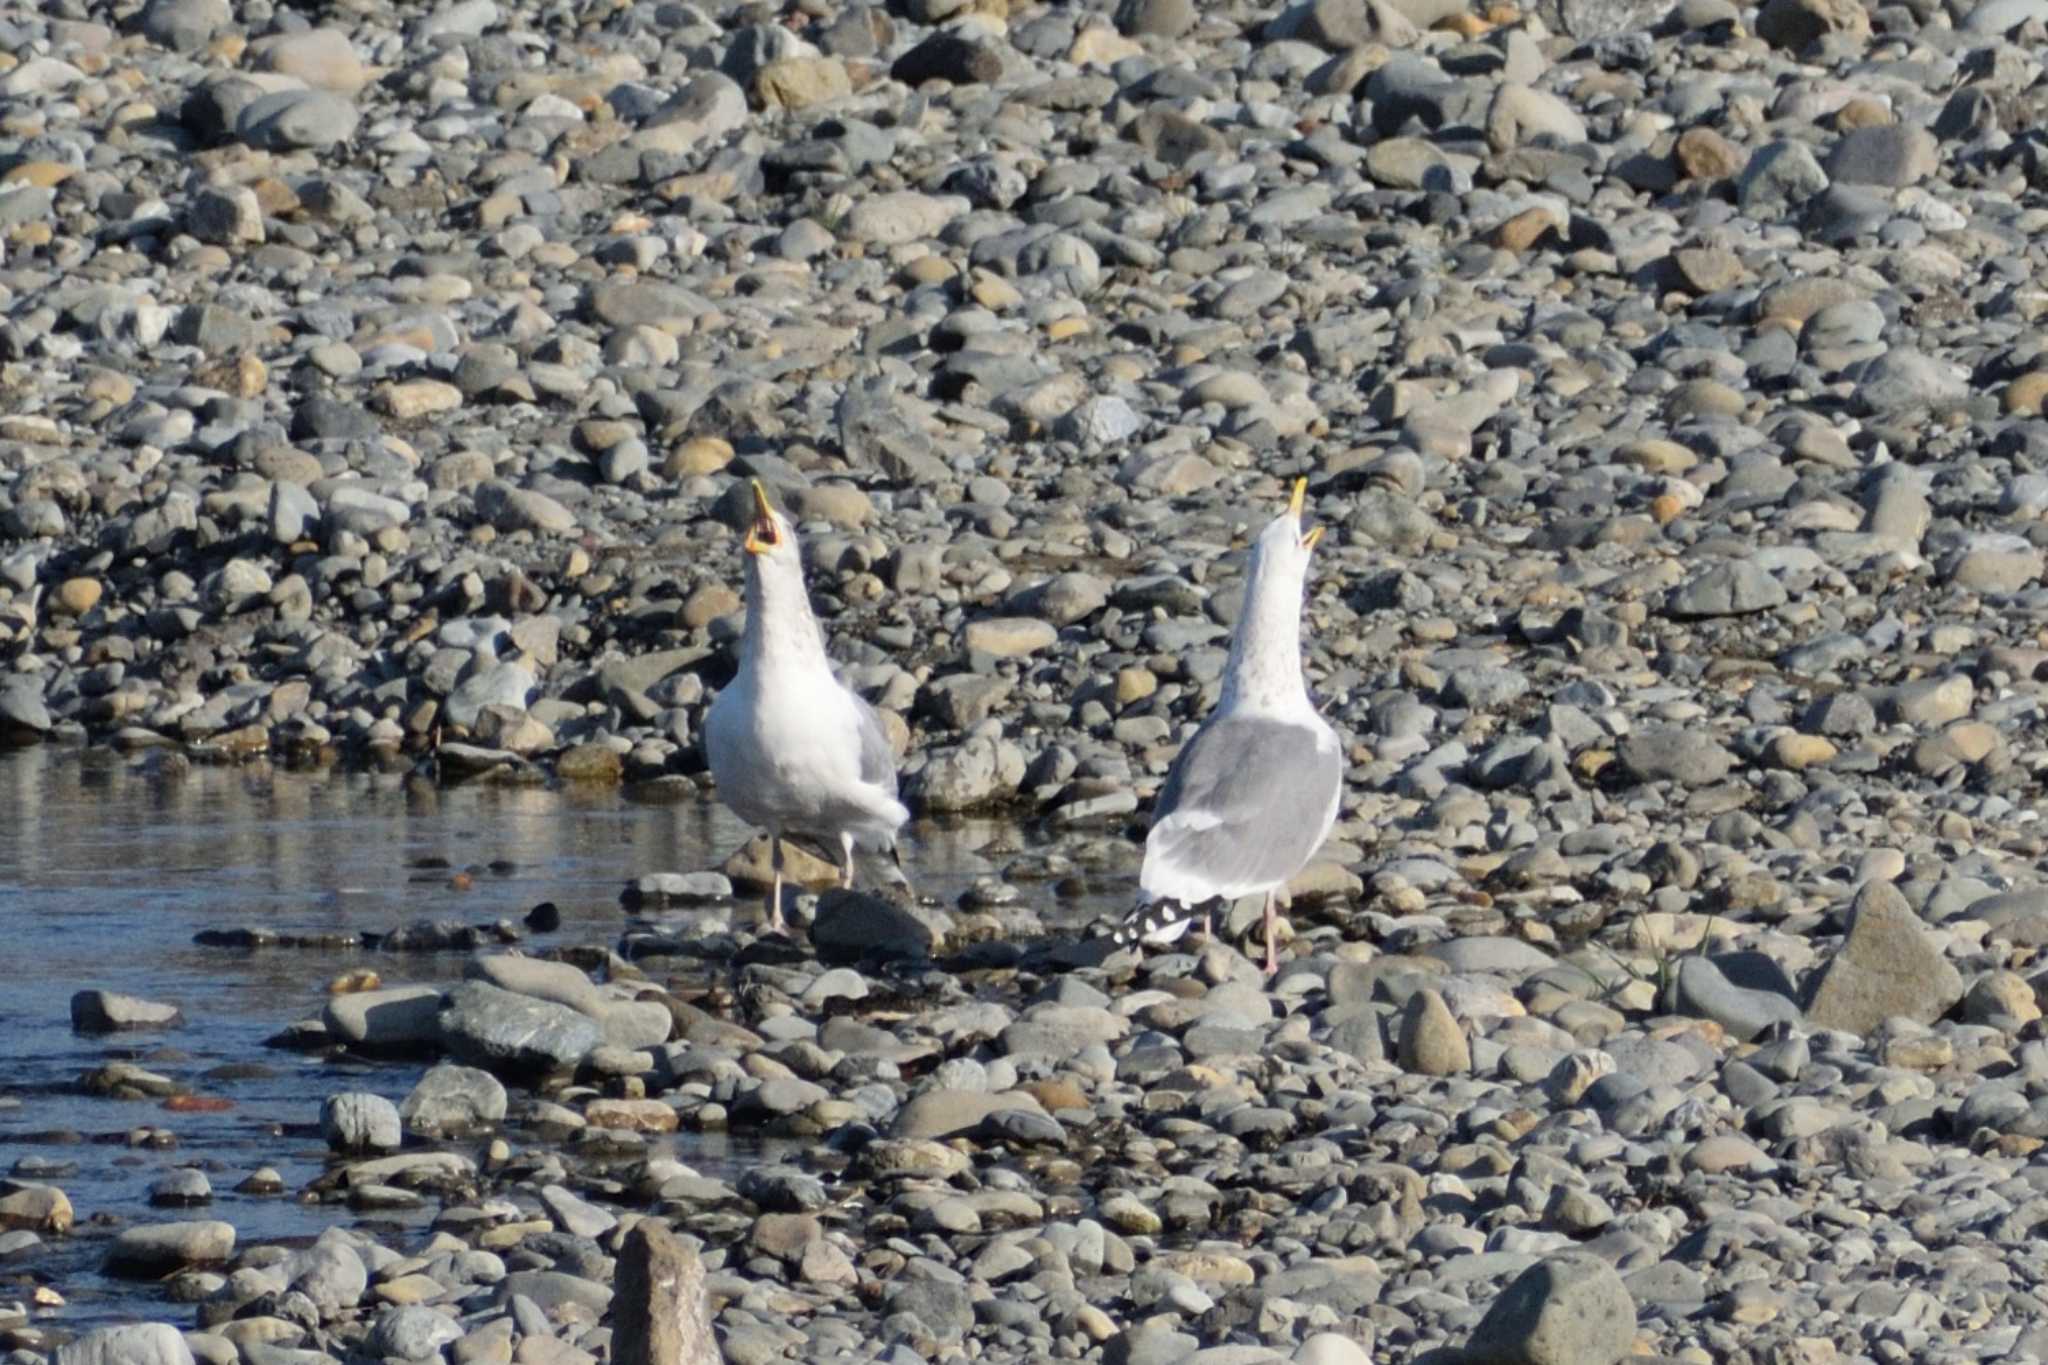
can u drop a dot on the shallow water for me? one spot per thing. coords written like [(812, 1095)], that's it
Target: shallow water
[(106, 873)]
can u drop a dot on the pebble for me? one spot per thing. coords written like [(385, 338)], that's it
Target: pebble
[(359, 1121), (155, 1248), (1431, 1044), (1566, 1308), (1886, 968), (95, 1011), (1666, 379)]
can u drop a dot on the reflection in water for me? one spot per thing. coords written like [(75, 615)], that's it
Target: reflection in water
[(110, 864)]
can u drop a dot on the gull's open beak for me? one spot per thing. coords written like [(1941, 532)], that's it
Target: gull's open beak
[(1294, 505), (763, 535)]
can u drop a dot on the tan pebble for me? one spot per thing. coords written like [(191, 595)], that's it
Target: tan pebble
[(417, 398), (410, 1289), (1724, 1152), (1797, 751), (1659, 456), (348, 983), (2025, 395), (1751, 1305), (1863, 112), (2001, 994), (1135, 684), (1101, 45), (633, 1115), (995, 293), (703, 455), (928, 269), (243, 376), (274, 197), (709, 602), (1431, 1043), (43, 175), (1095, 1323), (1703, 154), (1527, 228), (77, 596)]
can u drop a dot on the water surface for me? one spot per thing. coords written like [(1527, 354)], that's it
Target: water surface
[(106, 874)]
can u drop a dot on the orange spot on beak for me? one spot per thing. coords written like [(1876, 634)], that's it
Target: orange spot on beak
[(764, 535)]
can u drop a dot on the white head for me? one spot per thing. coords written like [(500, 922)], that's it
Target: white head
[(1265, 653), (779, 618), (770, 538), (1283, 548)]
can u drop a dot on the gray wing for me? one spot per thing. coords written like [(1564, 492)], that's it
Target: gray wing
[(877, 759), (1244, 807)]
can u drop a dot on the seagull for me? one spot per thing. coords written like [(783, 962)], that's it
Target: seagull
[(792, 748), (1252, 796)]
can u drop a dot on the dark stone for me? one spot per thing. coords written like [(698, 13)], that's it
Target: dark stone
[(949, 57)]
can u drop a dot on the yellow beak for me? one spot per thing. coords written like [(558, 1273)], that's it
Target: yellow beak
[(763, 535), (1295, 503)]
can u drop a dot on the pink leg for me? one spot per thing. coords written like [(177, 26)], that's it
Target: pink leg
[(775, 924)]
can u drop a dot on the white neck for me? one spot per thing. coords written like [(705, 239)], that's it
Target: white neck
[(780, 628), (1264, 671)]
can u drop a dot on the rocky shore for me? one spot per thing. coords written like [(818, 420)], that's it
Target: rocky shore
[(380, 385)]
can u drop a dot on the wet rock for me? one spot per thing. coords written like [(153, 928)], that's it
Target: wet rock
[(153, 1249), (23, 716), (358, 1121), (110, 1012), (499, 1031), (852, 926), (450, 1100), (330, 1273), (181, 1189), (396, 1016)]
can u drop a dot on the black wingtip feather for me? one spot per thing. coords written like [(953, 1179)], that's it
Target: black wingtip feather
[(1154, 919)]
